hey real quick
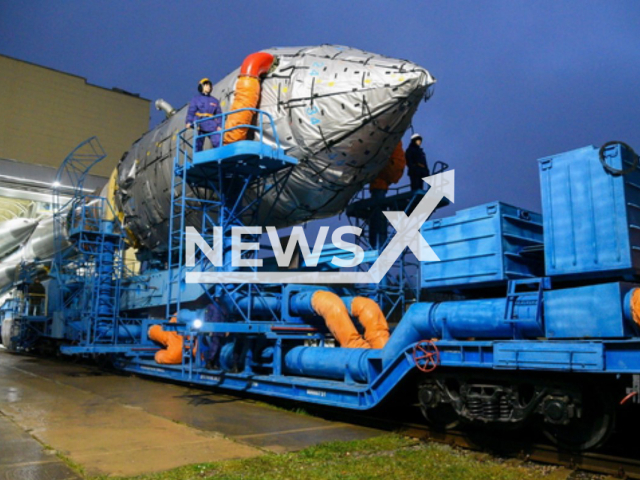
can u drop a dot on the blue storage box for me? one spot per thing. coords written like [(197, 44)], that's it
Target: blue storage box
[(483, 245), (591, 217)]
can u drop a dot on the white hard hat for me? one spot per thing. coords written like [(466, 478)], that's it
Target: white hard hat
[(415, 136)]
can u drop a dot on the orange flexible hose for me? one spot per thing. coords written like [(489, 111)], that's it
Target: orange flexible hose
[(370, 316), (628, 397), (247, 95), (392, 171), (331, 307), (635, 305), (256, 64), (174, 343)]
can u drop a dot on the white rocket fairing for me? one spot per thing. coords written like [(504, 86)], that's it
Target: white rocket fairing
[(40, 246)]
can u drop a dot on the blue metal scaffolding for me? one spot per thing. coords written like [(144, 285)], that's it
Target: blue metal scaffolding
[(88, 265)]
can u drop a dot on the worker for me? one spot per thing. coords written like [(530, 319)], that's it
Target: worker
[(416, 162), (391, 173), (215, 312), (202, 106)]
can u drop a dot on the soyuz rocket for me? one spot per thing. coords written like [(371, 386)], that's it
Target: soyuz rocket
[(340, 111)]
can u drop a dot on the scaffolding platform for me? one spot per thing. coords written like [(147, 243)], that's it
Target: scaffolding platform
[(404, 201), (246, 158)]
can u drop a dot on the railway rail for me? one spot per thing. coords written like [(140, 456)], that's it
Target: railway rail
[(615, 466), (504, 445)]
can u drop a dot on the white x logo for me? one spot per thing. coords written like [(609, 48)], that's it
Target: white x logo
[(408, 227), (407, 235)]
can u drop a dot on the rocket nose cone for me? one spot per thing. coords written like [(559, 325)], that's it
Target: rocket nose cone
[(332, 93), (7, 269), (14, 232), (341, 112), (385, 78), (404, 76), (7, 275)]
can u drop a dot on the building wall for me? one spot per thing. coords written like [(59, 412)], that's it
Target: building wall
[(44, 114)]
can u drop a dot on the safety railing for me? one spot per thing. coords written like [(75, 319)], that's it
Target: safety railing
[(87, 213), (438, 167), (258, 128)]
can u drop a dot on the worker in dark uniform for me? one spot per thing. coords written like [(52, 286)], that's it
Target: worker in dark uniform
[(203, 106), (416, 162), (215, 312)]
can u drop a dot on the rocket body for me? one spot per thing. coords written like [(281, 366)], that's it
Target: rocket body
[(340, 111)]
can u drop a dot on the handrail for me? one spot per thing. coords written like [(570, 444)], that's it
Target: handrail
[(89, 203), (258, 128)]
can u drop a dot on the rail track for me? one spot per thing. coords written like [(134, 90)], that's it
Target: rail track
[(615, 466), (503, 444)]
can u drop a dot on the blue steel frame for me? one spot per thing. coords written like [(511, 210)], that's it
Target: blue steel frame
[(209, 187), (88, 273), (30, 326), (397, 288), (200, 184), (567, 356), (596, 357), (282, 328)]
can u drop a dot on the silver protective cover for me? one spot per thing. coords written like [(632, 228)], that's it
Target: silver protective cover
[(40, 247), (340, 111)]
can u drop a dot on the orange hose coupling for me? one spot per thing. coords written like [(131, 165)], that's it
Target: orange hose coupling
[(256, 64)]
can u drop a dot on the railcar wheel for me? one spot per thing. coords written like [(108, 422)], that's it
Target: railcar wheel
[(594, 426), (439, 416)]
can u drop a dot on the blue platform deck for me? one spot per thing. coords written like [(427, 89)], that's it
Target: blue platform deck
[(404, 202), (242, 158)]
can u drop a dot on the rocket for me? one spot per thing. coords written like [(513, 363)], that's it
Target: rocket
[(37, 245), (340, 111), (13, 233)]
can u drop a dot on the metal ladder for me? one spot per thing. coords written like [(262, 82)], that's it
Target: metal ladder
[(101, 244), (177, 222)]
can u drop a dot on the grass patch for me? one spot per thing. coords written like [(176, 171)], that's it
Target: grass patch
[(71, 464), (388, 456)]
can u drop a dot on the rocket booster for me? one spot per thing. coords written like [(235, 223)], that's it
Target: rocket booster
[(13, 232), (40, 246)]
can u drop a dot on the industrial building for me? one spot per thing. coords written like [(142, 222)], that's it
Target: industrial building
[(45, 113)]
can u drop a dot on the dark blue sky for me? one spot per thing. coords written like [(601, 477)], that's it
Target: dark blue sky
[(517, 80)]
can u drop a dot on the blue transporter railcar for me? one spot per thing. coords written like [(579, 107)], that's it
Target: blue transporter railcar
[(570, 335), (560, 343), (563, 347)]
